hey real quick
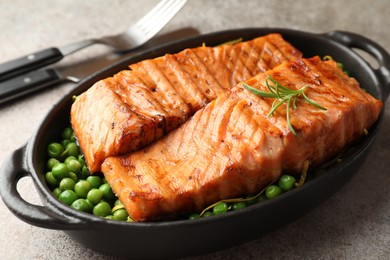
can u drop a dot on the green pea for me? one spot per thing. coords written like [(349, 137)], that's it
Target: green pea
[(82, 187), (220, 208), (72, 149), (81, 160), (68, 197), (60, 171), (272, 191), (67, 133), (238, 205), (109, 217), (107, 192), (90, 205), (73, 176), (102, 209), (69, 158), (73, 138), (54, 150), (50, 179), (85, 172), (207, 214), (287, 182), (65, 142), (95, 196), (67, 184), (81, 205), (51, 163), (74, 166), (118, 202), (94, 181), (194, 216), (120, 214), (57, 192)]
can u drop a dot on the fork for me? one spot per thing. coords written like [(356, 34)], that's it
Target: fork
[(134, 37)]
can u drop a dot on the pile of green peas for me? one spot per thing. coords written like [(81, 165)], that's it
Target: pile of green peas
[(71, 182), (284, 184)]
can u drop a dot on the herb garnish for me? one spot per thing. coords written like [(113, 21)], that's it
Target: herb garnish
[(282, 95), (257, 197)]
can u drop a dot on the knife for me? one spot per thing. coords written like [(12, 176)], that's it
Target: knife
[(43, 78), (30, 62), (33, 81)]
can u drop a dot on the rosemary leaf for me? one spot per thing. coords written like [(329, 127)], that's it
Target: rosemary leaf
[(282, 95), (311, 102), (258, 92), (288, 117)]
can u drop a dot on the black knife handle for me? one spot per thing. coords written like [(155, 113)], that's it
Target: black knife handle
[(25, 84), (29, 63)]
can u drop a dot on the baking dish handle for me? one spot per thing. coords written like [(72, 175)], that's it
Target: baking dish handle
[(12, 170), (353, 40)]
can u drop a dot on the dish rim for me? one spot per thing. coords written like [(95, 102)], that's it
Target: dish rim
[(86, 220)]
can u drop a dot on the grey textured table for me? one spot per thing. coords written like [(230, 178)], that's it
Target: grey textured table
[(352, 224)]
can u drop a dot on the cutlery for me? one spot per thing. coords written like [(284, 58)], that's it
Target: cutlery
[(54, 75), (30, 82), (134, 37)]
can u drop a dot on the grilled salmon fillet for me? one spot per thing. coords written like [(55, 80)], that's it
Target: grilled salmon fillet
[(232, 147), (135, 107)]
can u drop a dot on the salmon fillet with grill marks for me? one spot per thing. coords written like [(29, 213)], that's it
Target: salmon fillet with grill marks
[(135, 107), (232, 148)]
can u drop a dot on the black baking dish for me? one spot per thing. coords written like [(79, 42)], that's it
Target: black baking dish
[(193, 237)]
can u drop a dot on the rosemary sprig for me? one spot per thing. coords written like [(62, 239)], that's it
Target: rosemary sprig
[(282, 95), (256, 197), (233, 200)]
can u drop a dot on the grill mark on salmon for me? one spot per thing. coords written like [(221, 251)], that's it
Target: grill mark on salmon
[(252, 62), (190, 93), (169, 98), (205, 78), (232, 148), (160, 94), (137, 94)]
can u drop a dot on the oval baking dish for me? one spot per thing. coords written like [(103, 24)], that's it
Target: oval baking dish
[(182, 238)]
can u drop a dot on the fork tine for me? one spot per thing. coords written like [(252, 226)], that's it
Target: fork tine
[(152, 12), (159, 16)]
